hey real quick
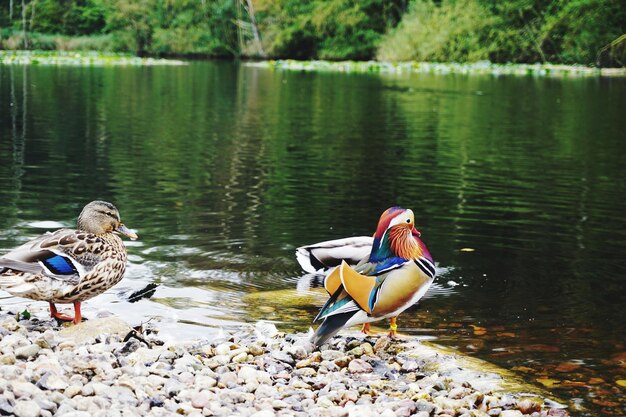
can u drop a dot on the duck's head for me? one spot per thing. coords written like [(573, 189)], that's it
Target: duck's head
[(100, 217), (396, 235), (396, 217)]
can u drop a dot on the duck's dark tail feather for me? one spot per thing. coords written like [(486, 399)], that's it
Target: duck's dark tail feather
[(330, 327)]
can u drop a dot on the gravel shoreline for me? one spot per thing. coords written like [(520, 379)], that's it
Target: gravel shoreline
[(102, 367)]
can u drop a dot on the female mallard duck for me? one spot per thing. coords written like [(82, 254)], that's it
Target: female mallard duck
[(397, 273), (69, 266)]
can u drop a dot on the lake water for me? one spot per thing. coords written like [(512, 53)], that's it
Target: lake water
[(518, 185)]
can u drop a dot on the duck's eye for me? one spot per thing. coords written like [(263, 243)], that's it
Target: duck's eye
[(108, 213), (408, 220)]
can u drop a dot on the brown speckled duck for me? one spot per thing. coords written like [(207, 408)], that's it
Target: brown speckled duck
[(69, 266)]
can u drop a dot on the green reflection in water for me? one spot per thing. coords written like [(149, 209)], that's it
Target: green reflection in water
[(224, 170)]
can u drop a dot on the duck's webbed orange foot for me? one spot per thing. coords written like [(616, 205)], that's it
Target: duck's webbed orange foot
[(63, 317), (367, 329)]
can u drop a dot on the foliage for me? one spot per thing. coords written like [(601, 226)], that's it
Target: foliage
[(332, 29), (46, 42), (452, 31), (512, 31), (526, 31), (69, 17)]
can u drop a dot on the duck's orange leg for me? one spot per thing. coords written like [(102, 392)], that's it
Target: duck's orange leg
[(55, 313), (393, 327), (77, 316), (366, 328)]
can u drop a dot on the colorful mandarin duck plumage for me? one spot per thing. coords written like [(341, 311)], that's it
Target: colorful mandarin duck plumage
[(69, 266), (395, 275)]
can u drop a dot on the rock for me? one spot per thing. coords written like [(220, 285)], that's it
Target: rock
[(528, 406), (26, 352), (558, 412), (205, 382), (72, 391), (298, 352), (12, 342), (343, 361), (360, 366), (46, 404), (248, 374), (256, 349), (227, 380), (331, 355), (25, 389), (50, 381), (88, 330), (222, 349), (7, 359), (5, 406), (263, 413), (240, 358), (279, 404), (382, 344), (186, 377), (143, 355), (422, 405), (405, 408), (387, 413), (66, 409), (511, 413), (283, 357), (313, 359), (201, 399), (188, 363), (87, 390), (26, 408)]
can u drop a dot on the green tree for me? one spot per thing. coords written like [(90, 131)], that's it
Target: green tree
[(132, 23)]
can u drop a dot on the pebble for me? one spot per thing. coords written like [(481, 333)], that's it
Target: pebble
[(528, 406), (50, 381), (511, 413), (26, 352), (201, 399), (26, 408), (360, 366), (249, 373)]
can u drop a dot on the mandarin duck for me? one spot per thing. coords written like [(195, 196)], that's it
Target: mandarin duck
[(69, 266), (396, 274)]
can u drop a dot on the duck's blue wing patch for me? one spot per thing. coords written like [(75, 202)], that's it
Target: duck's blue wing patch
[(59, 265), (388, 265)]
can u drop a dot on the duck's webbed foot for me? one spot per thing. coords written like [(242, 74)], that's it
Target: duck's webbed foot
[(63, 317)]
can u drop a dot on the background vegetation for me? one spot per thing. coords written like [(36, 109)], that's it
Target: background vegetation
[(565, 31)]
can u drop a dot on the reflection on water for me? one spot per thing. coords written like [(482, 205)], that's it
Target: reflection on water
[(517, 184)]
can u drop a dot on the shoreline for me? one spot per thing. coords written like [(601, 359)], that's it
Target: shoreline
[(99, 58), (103, 366), (81, 59), (414, 67)]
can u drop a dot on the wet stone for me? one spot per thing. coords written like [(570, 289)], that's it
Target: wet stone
[(528, 406)]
